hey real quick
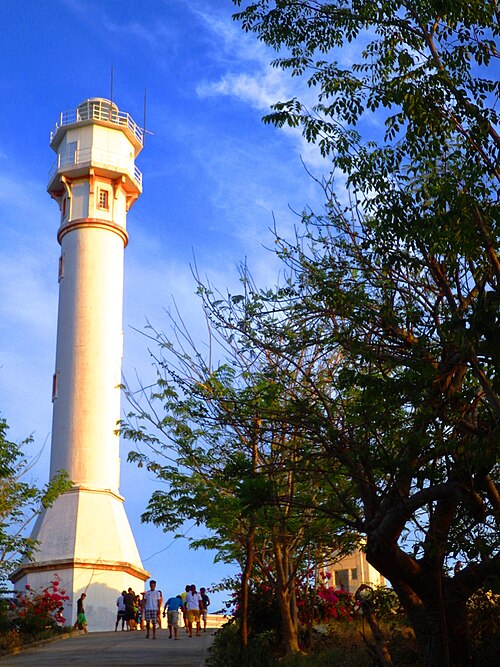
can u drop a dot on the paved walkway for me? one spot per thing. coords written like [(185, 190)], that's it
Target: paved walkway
[(123, 649)]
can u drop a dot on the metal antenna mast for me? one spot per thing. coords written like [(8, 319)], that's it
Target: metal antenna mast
[(145, 109), (111, 82)]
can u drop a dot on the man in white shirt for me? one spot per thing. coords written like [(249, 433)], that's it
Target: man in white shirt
[(151, 606), (120, 616), (193, 604)]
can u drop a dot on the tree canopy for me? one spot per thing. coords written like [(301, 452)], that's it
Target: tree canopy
[(391, 292)]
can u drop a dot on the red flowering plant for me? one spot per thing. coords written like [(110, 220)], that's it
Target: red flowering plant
[(37, 608), (322, 604), (335, 604)]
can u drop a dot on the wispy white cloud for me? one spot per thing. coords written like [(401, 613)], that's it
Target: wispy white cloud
[(251, 79), (154, 33)]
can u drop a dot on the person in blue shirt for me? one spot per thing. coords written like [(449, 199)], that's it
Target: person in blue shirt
[(172, 608)]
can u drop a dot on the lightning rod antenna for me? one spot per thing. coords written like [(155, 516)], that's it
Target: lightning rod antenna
[(111, 82), (144, 121)]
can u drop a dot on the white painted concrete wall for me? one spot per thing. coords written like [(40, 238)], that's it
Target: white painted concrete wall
[(88, 359)]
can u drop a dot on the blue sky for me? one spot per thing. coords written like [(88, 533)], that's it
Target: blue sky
[(214, 177)]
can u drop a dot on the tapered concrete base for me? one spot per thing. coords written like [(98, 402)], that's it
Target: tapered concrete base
[(85, 538)]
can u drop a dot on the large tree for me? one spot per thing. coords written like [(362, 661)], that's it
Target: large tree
[(217, 437), (394, 291), (403, 281)]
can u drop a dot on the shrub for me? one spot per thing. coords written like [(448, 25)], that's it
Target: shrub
[(484, 626), (36, 608), (228, 650)]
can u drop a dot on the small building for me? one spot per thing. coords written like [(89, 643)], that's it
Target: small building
[(352, 571)]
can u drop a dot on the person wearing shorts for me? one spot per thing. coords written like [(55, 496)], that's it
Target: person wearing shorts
[(184, 610), (171, 608), (81, 619), (151, 605), (193, 604), (204, 607), (120, 616)]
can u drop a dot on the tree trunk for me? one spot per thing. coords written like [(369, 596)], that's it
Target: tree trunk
[(458, 630), (290, 629), (440, 628), (285, 592), (436, 609), (244, 587)]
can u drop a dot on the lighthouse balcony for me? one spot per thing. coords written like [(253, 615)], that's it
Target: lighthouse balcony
[(78, 163), (103, 112)]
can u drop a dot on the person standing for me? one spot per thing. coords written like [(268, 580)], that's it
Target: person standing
[(120, 614), (205, 602), (138, 613), (184, 608), (159, 610), (129, 599), (171, 608), (193, 604), (59, 619), (151, 604), (81, 619)]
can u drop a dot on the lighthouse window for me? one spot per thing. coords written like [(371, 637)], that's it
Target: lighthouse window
[(55, 379), (103, 199), (61, 268)]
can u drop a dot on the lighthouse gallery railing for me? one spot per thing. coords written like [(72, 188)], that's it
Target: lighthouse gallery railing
[(96, 156), (98, 110)]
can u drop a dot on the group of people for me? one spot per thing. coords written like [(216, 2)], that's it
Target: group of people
[(129, 610), (146, 613)]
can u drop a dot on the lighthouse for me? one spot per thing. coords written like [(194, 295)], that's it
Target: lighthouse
[(85, 537)]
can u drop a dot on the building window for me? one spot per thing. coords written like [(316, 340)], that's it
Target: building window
[(63, 208), (342, 579), (103, 201), (72, 153), (354, 573)]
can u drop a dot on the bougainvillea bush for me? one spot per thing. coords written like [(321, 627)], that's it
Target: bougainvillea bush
[(335, 605), (37, 607), (30, 616), (320, 603)]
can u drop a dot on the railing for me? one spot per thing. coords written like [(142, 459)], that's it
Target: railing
[(98, 109), (106, 159)]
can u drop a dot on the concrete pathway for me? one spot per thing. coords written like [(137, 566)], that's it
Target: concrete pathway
[(123, 649)]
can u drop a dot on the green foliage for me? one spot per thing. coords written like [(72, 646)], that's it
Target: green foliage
[(484, 623), (387, 606), (365, 388), (400, 280), (226, 649), (20, 503), (343, 647)]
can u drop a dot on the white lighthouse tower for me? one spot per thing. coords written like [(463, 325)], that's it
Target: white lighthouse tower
[(85, 537)]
